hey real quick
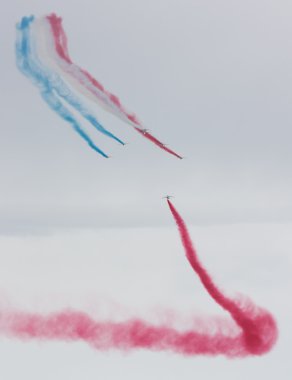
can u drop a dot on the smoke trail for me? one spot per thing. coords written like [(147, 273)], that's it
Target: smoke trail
[(133, 334), (47, 83), (91, 86), (63, 90), (148, 136), (255, 334), (258, 325), (61, 46)]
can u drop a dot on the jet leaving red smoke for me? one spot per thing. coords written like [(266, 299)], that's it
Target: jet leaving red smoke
[(150, 137), (257, 330)]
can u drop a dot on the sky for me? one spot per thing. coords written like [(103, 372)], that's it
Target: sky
[(213, 81)]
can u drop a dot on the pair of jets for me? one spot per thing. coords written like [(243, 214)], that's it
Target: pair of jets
[(145, 131)]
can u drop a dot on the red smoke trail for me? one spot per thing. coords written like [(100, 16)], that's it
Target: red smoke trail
[(259, 330), (256, 333), (60, 40), (133, 334), (60, 37), (148, 136), (61, 47)]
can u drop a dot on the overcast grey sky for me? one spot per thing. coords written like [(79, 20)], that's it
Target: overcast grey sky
[(212, 79)]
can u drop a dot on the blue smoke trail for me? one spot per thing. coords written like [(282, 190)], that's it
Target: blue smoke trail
[(66, 94), (46, 82), (57, 106), (63, 91)]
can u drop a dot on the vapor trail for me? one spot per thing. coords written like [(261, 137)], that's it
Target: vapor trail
[(255, 334)]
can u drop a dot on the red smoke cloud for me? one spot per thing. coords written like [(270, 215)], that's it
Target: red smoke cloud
[(256, 333)]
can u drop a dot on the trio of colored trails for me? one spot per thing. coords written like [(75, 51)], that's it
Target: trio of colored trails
[(42, 56), (255, 334)]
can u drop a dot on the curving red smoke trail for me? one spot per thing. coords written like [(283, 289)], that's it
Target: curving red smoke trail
[(256, 335), (259, 329)]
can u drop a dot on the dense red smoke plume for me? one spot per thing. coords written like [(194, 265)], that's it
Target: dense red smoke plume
[(255, 335), (259, 329)]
